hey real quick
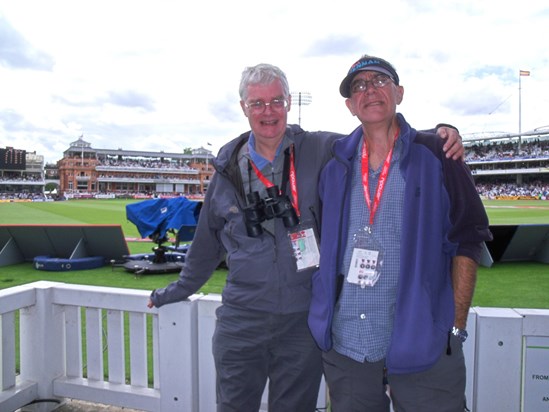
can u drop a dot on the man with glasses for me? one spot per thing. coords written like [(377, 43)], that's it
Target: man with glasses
[(260, 213), (402, 234)]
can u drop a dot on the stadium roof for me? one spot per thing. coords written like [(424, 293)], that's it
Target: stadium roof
[(81, 145), (476, 137)]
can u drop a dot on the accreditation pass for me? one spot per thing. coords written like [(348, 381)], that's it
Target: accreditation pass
[(305, 248)]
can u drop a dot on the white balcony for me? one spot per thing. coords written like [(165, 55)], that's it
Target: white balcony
[(68, 333), (74, 340)]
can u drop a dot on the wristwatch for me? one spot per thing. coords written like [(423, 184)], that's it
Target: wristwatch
[(460, 333)]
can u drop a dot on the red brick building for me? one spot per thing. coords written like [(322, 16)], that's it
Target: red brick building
[(86, 170)]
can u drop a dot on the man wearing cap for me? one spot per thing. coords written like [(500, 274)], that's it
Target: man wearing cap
[(260, 213), (402, 233)]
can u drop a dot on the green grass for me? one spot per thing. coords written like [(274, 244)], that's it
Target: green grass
[(24, 273), (513, 285), (86, 212), (503, 285), (517, 212), (69, 212)]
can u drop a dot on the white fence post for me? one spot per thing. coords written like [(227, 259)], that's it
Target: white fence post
[(206, 326), (178, 356), (469, 352), (535, 379), (42, 346), (14, 391), (498, 360)]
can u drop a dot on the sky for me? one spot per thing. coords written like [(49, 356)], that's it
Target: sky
[(163, 75)]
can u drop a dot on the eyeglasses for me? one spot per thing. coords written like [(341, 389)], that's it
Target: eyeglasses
[(259, 106), (361, 85)]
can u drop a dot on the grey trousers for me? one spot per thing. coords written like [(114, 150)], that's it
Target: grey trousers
[(250, 347), (362, 387)]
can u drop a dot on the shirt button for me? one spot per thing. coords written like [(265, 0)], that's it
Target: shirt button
[(362, 316)]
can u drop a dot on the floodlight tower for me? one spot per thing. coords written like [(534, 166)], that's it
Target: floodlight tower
[(521, 73), (302, 99)]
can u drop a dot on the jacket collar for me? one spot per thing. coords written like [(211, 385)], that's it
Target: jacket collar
[(229, 152), (345, 149)]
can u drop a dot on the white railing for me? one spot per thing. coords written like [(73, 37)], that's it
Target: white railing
[(74, 340), (55, 362)]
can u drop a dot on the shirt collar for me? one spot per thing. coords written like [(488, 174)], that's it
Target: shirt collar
[(259, 160)]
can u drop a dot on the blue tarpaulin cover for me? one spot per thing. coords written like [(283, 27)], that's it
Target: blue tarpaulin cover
[(155, 217)]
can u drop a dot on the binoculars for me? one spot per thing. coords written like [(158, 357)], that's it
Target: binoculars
[(274, 205)]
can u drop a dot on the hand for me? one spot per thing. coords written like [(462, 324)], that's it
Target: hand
[(150, 304), (454, 146)]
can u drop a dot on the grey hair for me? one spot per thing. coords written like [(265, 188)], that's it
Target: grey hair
[(262, 74)]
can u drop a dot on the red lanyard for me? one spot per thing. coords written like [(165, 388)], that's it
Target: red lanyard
[(292, 179), (381, 182), (293, 182)]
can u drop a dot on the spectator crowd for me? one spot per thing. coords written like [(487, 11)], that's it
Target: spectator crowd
[(489, 187)]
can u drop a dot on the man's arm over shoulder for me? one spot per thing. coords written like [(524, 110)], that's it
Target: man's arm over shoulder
[(453, 145), (467, 212)]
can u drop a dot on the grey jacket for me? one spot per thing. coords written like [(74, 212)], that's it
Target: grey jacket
[(262, 270)]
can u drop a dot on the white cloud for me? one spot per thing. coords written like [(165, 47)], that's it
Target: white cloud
[(163, 75)]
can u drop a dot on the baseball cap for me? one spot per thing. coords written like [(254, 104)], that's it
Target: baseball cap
[(367, 63)]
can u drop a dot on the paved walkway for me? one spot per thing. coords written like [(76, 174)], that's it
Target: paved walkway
[(73, 405)]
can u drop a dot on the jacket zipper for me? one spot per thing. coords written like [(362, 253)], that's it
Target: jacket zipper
[(341, 218)]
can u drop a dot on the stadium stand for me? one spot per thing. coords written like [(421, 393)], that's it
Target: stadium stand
[(510, 169), (504, 167)]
